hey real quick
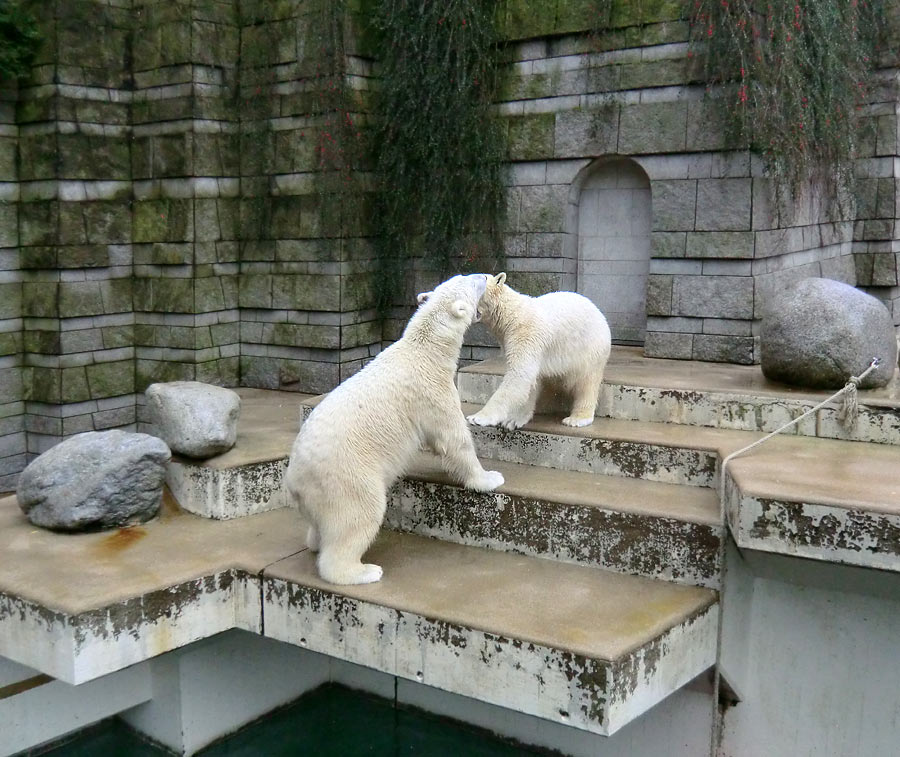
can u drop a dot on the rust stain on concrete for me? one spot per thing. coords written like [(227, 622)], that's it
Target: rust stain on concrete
[(120, 540)]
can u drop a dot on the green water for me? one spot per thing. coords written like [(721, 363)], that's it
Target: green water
[(332, 720)]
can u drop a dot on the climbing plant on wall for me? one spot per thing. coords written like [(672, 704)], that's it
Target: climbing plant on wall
[(19, 39), (796, 75), (438, 148)]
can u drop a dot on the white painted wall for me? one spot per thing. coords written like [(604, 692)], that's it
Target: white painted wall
[(52, 710), (820, 646), (216, 686)]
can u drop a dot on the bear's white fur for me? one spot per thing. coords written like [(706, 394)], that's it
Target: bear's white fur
[(363, 435), (560, 335)]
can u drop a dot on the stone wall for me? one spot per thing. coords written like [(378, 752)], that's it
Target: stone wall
[(720, 242), (161, 216)]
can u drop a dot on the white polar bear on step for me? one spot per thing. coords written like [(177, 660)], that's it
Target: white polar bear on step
[(560, 335), (363, 435)]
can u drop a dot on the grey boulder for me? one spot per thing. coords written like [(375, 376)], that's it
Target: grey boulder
[(195, 419), (816, 333), (100, 479)]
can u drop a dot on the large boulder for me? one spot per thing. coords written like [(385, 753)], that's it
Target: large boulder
[(100, 479), (194, 419), (816, 333)]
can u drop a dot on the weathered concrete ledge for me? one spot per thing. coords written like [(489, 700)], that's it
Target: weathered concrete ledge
[(627, 525), (840, 504), (712, 395), (223, 493), (580, 646), (79, 606)]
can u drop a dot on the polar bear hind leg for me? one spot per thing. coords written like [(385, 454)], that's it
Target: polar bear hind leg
[(585, 391), (344, 540)]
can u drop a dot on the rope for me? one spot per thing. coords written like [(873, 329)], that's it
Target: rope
[(847, 414)]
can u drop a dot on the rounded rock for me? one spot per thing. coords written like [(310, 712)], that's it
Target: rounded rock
[(95, 480), (817, 333), (195, 419)]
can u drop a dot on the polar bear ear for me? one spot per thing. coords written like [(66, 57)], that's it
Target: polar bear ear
[(461, 309), (500, 278), (423, 297)]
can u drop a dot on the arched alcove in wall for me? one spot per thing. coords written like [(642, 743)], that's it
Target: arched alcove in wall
[(613, 237)]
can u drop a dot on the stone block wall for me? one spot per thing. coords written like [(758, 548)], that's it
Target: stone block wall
[(306, 293), (186, 192), (74, 225), (161, 215), (160, 218), (876, 233), (12, 397), (720, 241)]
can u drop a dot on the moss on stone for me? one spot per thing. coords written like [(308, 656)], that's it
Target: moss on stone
[(531, 136), (11, 300), (110, 379), (74, 385), (40, 299), (115, 337), (80, 298)]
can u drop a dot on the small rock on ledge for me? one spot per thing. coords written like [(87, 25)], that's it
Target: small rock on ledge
[(195, 419), (818, 332), (100, 479)]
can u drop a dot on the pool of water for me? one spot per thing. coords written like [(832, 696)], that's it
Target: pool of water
[(331, 720)]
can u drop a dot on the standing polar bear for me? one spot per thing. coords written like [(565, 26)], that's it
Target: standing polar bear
[(560, 335), (363, 435)]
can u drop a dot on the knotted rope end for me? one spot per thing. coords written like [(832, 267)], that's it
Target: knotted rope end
[(848, 411)]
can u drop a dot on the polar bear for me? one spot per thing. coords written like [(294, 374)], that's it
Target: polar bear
[(364, 434), (560, 335)]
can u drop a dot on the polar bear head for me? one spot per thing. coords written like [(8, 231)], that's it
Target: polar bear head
[(492, 302), (457, 298)]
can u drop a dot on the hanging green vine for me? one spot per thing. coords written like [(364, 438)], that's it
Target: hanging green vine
[(438, 148), (19, 39), (796, 75)]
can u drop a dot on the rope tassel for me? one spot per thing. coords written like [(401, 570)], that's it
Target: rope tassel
[(847, 414), (849, 409)]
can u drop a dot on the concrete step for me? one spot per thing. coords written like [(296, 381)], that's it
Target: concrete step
[(651, 451), (713, 395), (627, 525), (575, 645), (246, 479), (825, 499)]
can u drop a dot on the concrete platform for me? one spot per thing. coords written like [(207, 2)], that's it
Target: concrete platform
[(806, 494), (579, 645), (714, 395), (820, 499), (79, 606)]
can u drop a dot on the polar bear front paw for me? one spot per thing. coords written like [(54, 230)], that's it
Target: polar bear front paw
[(345, 574), (480, 419), (511, 424), (578, 421), (370, 574), (486, 482)]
